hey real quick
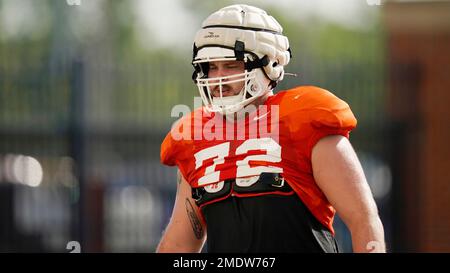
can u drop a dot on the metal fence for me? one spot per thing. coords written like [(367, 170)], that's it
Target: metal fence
[(80, 139)]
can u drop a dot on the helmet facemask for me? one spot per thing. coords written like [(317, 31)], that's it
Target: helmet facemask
[(240, 33), (255, 85)]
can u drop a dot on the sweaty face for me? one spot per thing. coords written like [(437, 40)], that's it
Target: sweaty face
[(223, 69)]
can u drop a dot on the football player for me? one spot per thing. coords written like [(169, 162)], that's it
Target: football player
[(259, 172)]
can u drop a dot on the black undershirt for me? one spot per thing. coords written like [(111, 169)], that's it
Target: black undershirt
[(268, 223)]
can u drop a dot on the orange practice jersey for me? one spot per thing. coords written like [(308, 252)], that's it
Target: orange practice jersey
[(278, 138)]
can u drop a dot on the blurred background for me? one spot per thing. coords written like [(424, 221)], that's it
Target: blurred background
[(87, 88)]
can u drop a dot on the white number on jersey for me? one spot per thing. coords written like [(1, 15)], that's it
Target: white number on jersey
[(220, 151)]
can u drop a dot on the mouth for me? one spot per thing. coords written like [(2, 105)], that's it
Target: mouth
[(226, 91)]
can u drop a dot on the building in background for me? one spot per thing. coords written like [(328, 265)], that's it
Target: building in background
[(418, 54)]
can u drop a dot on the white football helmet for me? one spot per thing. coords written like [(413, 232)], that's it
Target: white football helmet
[(243, 33)]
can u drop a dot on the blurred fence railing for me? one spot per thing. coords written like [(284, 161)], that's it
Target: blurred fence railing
[(79, 148)]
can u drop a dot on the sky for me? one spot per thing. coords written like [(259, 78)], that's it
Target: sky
[(169, 22), (351, 13)]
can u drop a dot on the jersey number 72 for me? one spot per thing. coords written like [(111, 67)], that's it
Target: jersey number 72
[(220, 151)]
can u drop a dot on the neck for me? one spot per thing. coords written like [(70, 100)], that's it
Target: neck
[(257, 102)]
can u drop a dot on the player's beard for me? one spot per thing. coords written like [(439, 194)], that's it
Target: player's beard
[(227, 90)]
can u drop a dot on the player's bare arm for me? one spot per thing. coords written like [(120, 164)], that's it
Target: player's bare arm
[(339, 175), (186, 231)]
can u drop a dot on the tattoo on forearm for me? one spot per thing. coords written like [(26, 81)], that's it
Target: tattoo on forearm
[(195, 222)]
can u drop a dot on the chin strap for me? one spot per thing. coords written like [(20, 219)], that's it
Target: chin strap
[(239, 50), (258, 63)]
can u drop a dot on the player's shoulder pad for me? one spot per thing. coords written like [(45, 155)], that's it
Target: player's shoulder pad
[(307, 97), (315, 105), (179, 137)]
